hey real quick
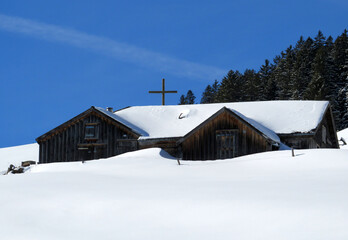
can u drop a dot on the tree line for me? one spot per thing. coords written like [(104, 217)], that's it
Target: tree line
[(313, 69)]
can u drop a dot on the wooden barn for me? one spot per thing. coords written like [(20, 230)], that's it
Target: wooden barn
[(197, 132)]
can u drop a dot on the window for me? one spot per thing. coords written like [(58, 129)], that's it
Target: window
[(323, 134), (91, 131)]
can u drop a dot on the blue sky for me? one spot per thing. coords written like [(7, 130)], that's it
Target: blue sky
[(58, 58)]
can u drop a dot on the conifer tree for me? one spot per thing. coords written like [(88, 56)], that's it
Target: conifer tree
[(252, 86), (340, 57), (209, 93), (300, 69), (344, 115), (215, 88), (265, 78), (331, 78), (284, 74), (271, 89), (182, 100), (314, 69), (190, 97), (231, 88), (319, 41), (317, 88)]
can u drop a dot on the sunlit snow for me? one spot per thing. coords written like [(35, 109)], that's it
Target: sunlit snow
[(147, 195), (269, 117)]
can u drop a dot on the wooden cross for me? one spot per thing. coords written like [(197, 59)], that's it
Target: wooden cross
[(163, 91)]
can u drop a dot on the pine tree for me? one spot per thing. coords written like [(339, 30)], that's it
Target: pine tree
[(207, 96), (284, 74), (182, 100), (215, 88), (302, 68), (317, 88), (190, 97), (331, 77), (340, 56), (314, 69), (231, 88), (271, 89), (344, 120), (265, 77), (252, 86), (343, 123), (319, 41), (209, 93)]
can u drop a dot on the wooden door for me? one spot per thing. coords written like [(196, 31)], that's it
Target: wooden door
[(226, 143), (91, 152)]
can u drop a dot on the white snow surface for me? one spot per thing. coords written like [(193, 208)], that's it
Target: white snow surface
[(270, 117), (16, 155), (146, 195), (343, 134)]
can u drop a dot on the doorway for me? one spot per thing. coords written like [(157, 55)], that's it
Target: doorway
[(226, 143)]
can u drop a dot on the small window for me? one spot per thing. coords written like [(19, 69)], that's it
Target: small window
[(324, 134), (91, 131)]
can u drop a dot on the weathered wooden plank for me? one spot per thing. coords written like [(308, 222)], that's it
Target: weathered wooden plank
[(41, 151)]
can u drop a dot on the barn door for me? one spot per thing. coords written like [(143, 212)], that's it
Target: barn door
[(86, 153), (226, 143), (90, 151)]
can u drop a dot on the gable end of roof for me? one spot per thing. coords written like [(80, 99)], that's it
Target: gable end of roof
[(79, 117), (232, 113)]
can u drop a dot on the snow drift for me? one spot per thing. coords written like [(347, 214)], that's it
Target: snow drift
[(146, 195)]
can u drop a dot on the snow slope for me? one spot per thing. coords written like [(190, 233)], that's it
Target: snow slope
[(15, 155), (146, 195), (343, 134)]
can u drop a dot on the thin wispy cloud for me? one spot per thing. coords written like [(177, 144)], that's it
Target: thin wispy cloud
[(121, 51)]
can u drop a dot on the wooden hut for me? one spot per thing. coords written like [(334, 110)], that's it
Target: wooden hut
[(197, 132), (90, 135)]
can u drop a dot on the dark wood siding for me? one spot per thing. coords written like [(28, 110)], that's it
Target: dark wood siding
[(324, 136), (69, 143), (299, 141), (202, 143), (329, 138)]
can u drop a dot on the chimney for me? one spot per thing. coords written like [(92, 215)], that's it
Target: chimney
[(110, 109)]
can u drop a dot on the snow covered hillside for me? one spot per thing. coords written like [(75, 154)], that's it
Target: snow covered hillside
[(15, 155), (146, 195), (343, 134)]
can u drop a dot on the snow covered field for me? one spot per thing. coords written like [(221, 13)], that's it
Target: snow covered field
[(146, 195), (343, 134), (15, 155)]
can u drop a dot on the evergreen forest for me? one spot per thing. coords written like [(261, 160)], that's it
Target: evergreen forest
[(313, 69)]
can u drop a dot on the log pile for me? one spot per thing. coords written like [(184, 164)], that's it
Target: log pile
[(20, 169), (13, 169)]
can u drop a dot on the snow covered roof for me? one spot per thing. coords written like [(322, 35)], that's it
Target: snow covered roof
[(123, 121), (269, 117)]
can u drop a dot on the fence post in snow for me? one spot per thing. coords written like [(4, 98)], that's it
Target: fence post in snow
[(292, 152)]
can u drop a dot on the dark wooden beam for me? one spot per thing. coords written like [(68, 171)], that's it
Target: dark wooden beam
[(163, 92)]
